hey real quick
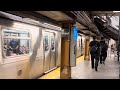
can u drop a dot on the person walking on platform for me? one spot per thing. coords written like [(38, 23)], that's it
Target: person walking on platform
[(95, 52), (103, 51), (112, 48)]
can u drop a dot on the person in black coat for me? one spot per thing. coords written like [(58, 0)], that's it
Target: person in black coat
[(103, 51)]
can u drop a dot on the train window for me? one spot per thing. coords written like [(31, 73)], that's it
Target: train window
[(52, 42), (15, 43), (46, 42)]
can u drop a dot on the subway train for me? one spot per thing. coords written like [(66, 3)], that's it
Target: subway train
[(28, 51)]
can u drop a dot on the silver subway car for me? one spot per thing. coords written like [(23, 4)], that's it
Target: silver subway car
[(80, 46), (28, 51)]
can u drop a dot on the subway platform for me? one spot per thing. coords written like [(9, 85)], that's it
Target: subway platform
[(83, 70)]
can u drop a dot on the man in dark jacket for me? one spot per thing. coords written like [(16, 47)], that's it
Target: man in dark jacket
[(103, 50), (94, 51), (14, 45)]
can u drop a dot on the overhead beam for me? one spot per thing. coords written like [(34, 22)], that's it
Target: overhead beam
[(33, 15), (69, 14)]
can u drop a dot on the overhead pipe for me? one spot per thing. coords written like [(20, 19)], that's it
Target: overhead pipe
[(82, 18), (79, 19), (86, 20), (85, 17), (90, 22)]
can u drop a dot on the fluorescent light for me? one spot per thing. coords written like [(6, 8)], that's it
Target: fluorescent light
[(116, 11)]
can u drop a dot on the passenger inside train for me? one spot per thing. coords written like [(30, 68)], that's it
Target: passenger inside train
[(14, 46), (16, 43)]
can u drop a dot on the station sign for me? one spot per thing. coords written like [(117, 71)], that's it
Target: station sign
[(75, 33)]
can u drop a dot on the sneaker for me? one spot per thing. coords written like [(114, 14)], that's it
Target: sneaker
[(104, 63)]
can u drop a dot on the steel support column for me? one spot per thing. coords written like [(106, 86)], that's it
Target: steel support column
[(65, 68)]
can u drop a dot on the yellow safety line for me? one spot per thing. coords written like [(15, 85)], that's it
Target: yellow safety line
[(56, 73), (52, 75), (79, 59)]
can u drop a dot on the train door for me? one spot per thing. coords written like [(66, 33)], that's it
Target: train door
[(49, 49), (52, 50), (46, 44)]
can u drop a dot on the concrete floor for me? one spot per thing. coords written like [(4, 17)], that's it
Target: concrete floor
[(83, 70), (108, 71)]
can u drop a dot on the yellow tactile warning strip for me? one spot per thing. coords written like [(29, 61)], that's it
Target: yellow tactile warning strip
[(52, 75), (79, 59), (56, 73)]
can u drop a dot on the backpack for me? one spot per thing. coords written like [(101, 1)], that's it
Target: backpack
[(94, 49), (103, 48)]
